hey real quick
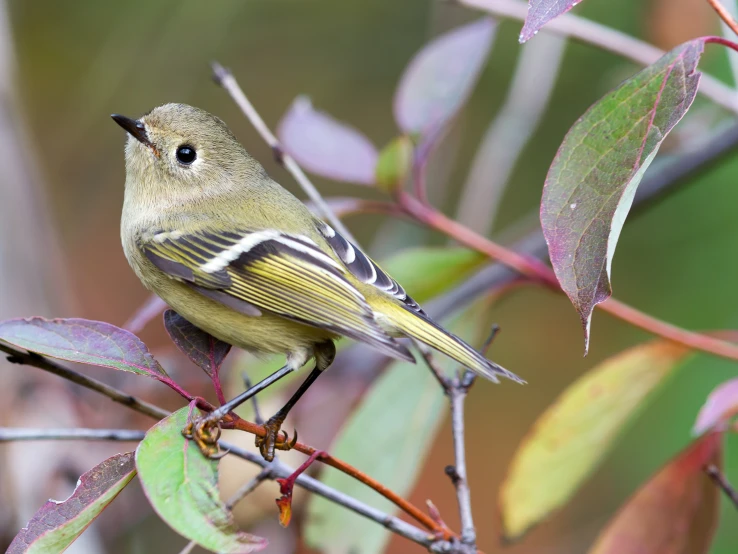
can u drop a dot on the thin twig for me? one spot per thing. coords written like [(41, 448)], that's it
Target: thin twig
[(538, 271), (606, 38), (155, 412), (226, 80), (457, 395), (719, 479), (8, 434), (249, 487), (24, 358), (724, 15), (152, 307)]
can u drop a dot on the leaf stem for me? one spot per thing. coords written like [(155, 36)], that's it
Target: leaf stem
[(226, 80), (724, 14), (606, 38), (537, 270)]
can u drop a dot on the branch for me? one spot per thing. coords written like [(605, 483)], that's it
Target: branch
[(152, 307), (538, 271), (662, 180), (24, 358), (724, 15), (280, 470), (226, 80), (8, 434), (714, 473), (606, 38)]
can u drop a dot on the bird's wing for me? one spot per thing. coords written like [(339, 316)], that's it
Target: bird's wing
[(365, 269), (285, 274)]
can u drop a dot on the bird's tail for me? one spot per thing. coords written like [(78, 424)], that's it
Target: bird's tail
[(425, 330)]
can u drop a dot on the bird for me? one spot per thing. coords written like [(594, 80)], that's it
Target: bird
[(229, 249)]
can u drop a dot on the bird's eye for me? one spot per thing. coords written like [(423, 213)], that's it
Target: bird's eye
[(186, 154)]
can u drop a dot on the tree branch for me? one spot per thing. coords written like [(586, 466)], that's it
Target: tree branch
[(659, 182), (280, 470), (724, 14), (9, 434), (226, 80), (606, 38)]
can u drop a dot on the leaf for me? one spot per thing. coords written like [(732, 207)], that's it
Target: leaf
[(441, 77), (394, 164), (541, 12), (57, 524), (325, 146), (721, 405), (428, 271), (82, 341), (572, 437), (181, 485), (388, 437), (591, 183), (675, 512), (202, 349)]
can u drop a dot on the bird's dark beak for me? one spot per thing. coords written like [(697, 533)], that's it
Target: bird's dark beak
[(134, 127)]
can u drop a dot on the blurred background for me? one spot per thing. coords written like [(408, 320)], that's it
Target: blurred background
[(65, 66)]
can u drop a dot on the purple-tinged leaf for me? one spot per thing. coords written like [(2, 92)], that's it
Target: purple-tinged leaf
[(57, 524), (325, 146), (182, 487), (541, 12), (721, 405), (441, 76), (591, 183), (82, 341), (202, 349)]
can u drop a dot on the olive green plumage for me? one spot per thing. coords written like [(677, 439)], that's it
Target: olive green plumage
[(229, 249)]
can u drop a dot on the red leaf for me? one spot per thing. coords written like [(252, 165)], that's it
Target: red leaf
[(204, 350), (82, 341), (541, 12), (57, 524), (675, 512)]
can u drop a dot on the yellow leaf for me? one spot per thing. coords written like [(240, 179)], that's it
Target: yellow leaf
[(574, 434)]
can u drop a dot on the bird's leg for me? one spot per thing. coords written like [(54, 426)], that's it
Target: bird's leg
[(324, 354), (206, 430)]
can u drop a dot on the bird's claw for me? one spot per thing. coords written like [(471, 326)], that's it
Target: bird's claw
[(272, 440), (205, 433)]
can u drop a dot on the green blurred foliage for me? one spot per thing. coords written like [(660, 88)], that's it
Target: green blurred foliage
[(80, 61)]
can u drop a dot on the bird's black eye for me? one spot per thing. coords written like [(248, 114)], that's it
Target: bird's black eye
[(186, 154)]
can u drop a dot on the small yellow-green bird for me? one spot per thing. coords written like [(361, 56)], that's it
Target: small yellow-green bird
[(230, 250)]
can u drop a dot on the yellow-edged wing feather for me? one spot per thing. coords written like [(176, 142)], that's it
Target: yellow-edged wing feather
[(288, 275)]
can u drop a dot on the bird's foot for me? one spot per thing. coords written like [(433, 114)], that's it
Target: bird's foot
[(272, 440), (205, 433)]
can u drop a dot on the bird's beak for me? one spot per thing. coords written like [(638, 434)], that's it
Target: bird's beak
[(134, 127)]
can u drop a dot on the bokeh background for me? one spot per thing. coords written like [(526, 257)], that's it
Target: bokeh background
[(65, 66)]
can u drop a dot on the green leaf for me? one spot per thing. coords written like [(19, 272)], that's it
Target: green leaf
[(181, 485), (82, 341), (592, 181), (388, 437), (675, 512), (572, 437), (394, 164), (57, 524), (428, 271)]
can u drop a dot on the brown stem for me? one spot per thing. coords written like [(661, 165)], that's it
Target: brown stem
[(537, 270), (410, 509), (719, 479), (724, 15)]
